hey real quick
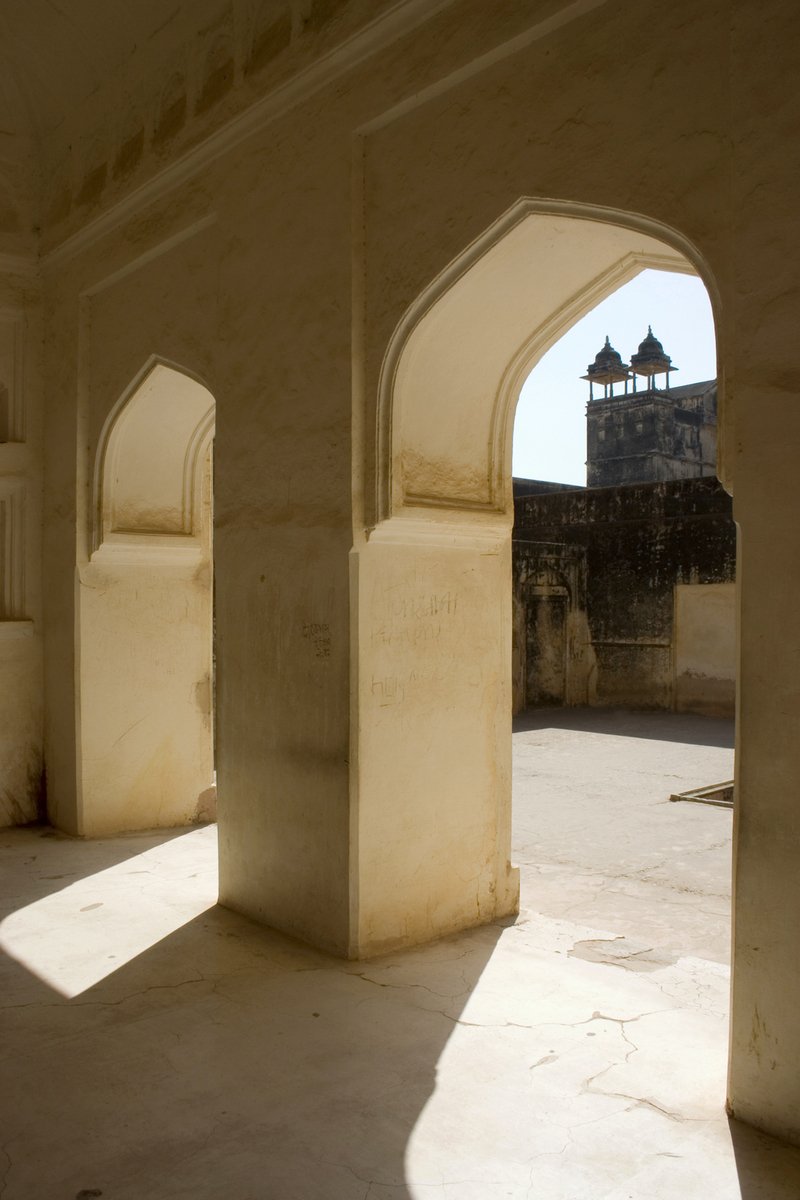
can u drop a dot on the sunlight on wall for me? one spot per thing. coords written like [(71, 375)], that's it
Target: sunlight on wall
[(550, 426), (79, 935)]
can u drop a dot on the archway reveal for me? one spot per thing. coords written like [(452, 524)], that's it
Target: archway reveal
[(145, 735)]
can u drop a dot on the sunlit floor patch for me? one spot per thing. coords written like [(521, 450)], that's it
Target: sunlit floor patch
[(77, 932), (578, 1054), (566, 1078)]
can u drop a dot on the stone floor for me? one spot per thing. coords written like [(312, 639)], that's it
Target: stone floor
[(158, 1047)]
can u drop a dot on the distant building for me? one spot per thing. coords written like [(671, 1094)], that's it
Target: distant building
[(641, 436), (624, 591)]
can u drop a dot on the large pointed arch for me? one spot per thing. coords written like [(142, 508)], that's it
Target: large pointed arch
[(454, 367), (433, 604)]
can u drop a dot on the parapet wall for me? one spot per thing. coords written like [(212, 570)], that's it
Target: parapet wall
[(625, 596)]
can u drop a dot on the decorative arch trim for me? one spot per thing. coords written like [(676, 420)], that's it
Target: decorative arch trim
[(489, 489), (149, 466)]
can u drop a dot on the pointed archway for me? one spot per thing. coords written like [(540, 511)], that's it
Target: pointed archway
[(145, 611), (433, 705)]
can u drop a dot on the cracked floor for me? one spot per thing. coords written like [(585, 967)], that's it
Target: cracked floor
[(157, 1046)]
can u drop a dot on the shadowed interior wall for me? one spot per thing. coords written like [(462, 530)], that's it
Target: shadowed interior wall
[(21, 701), (270, 227)]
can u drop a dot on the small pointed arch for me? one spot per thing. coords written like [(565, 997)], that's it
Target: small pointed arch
[(453, 370), (150, 461)]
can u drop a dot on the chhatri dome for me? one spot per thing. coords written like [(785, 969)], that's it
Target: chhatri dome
[(608, 367), (650, 358)]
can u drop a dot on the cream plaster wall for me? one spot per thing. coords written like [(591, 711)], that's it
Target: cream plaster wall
[(450, 384), (145, 688), (704, 640), (432, 811), (273, 248), (145, 695), (21, 701)]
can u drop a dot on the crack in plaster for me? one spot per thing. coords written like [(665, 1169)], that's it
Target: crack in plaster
[(369, 1182), (598, 1016), (405, 986), (641, 875), (70, 1002), (587, 1087)]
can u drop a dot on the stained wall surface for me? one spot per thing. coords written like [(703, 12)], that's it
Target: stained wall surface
[(645, 577), (21, 703), (705, 647), (647, 435), (261, 195), (145, 685)]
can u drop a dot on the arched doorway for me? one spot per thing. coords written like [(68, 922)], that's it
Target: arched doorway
[(145, 612), (433, 706)]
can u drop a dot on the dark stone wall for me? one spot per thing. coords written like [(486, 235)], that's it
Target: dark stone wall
[(636, 543), (537, 487)]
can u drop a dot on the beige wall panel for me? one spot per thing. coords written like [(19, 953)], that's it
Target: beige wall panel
[(704, 640), (145, 695), (432, 825)]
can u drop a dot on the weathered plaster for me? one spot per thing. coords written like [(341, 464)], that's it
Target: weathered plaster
[(276, 258)]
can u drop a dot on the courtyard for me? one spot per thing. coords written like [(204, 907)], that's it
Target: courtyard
[(161, 1046)]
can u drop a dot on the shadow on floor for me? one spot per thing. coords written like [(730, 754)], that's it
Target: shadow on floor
[(228, 1060), (767, 1169), (657, 725)]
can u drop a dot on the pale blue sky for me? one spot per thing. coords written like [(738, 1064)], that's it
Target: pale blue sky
[(550, 426)]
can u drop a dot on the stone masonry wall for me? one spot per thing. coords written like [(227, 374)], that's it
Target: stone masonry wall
[(625, 550)]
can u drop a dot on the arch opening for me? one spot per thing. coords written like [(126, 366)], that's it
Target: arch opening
[(468, 343), (626, 504), (624, 641), (434, 578), (146, 698)]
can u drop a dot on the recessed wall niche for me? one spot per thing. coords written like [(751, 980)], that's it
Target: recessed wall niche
[(12, 589), (12, 411)]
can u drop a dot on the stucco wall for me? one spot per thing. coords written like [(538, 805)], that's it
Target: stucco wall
[(647, 572), (270, 239), (22, 781), (705, 648)]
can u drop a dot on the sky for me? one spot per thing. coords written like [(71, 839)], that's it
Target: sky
[(550, 425)]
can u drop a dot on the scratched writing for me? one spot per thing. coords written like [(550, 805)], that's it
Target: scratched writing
[(319, 634), (394, 690), (385, 635), (414, 620), (387, 690), (422, 607)]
